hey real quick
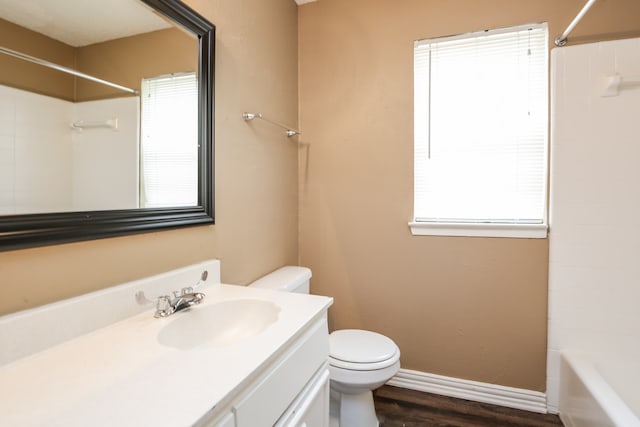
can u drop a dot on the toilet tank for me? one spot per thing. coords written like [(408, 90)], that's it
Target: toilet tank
[(288, 279)]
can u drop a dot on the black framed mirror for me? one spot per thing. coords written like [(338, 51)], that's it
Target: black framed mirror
[(103, 213)]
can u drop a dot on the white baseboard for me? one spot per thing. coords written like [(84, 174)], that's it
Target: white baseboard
[(511, 397)]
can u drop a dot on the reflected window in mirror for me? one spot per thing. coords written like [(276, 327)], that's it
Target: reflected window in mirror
[(169, 141)]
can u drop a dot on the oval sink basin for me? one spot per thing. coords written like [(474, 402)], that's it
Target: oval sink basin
[(219, 324)]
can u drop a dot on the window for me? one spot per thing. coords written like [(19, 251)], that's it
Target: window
[(480, 133), (169, 141)]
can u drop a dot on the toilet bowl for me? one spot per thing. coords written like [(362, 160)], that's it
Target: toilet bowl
[(359, 361)]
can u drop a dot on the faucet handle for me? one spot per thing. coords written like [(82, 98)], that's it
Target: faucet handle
[(182, 292), (163, 302), (163, 306)]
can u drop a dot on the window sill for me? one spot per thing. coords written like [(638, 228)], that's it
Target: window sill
[(523, 231)]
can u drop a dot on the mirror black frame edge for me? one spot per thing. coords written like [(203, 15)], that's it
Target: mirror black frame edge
[(33, 230)]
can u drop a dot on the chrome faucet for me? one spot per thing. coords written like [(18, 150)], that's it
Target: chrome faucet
[(183, 299)]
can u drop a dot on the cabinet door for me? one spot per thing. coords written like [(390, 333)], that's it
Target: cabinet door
[(311, 409), (226, 421), (281, 385)]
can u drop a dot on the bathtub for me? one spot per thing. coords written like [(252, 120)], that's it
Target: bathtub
[(599, 392)]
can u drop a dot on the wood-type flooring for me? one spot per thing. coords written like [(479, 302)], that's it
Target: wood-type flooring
[(398, 407)]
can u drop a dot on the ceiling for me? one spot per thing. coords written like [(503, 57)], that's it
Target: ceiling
[(83, 22)]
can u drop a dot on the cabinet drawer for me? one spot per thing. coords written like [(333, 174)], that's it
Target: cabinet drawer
[(273, 394)]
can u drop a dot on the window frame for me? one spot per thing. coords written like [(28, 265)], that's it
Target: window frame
[(489, 228)]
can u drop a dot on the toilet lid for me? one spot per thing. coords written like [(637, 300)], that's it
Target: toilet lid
[(356, 346)]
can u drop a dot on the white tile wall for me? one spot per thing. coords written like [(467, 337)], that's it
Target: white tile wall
[(35, 169), (106, 161), (47, 167), (594, 259)]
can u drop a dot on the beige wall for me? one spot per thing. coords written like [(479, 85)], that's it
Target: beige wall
[(471, 308), (256, 176), (125, 61), (24, 75), (128, 60)]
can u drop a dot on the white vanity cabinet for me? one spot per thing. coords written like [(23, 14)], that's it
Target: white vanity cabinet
[(291, 391)]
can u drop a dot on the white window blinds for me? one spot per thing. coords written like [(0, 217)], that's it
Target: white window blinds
[(481, 127), (169, 141)]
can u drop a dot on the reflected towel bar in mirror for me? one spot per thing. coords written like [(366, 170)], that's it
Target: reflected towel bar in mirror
[(104, 124)]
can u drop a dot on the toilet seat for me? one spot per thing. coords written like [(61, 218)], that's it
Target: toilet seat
[(359, 350)]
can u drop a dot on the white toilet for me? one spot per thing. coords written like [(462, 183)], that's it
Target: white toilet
[(359, 361)]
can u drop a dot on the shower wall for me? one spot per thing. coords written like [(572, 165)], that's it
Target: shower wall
[(35, 153), (106, 161), (594, 268), (45, 166)]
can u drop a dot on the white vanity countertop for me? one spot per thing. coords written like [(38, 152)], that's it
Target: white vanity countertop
[(120, 375)]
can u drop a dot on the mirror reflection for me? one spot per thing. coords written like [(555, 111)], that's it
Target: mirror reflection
[(98, 108)]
